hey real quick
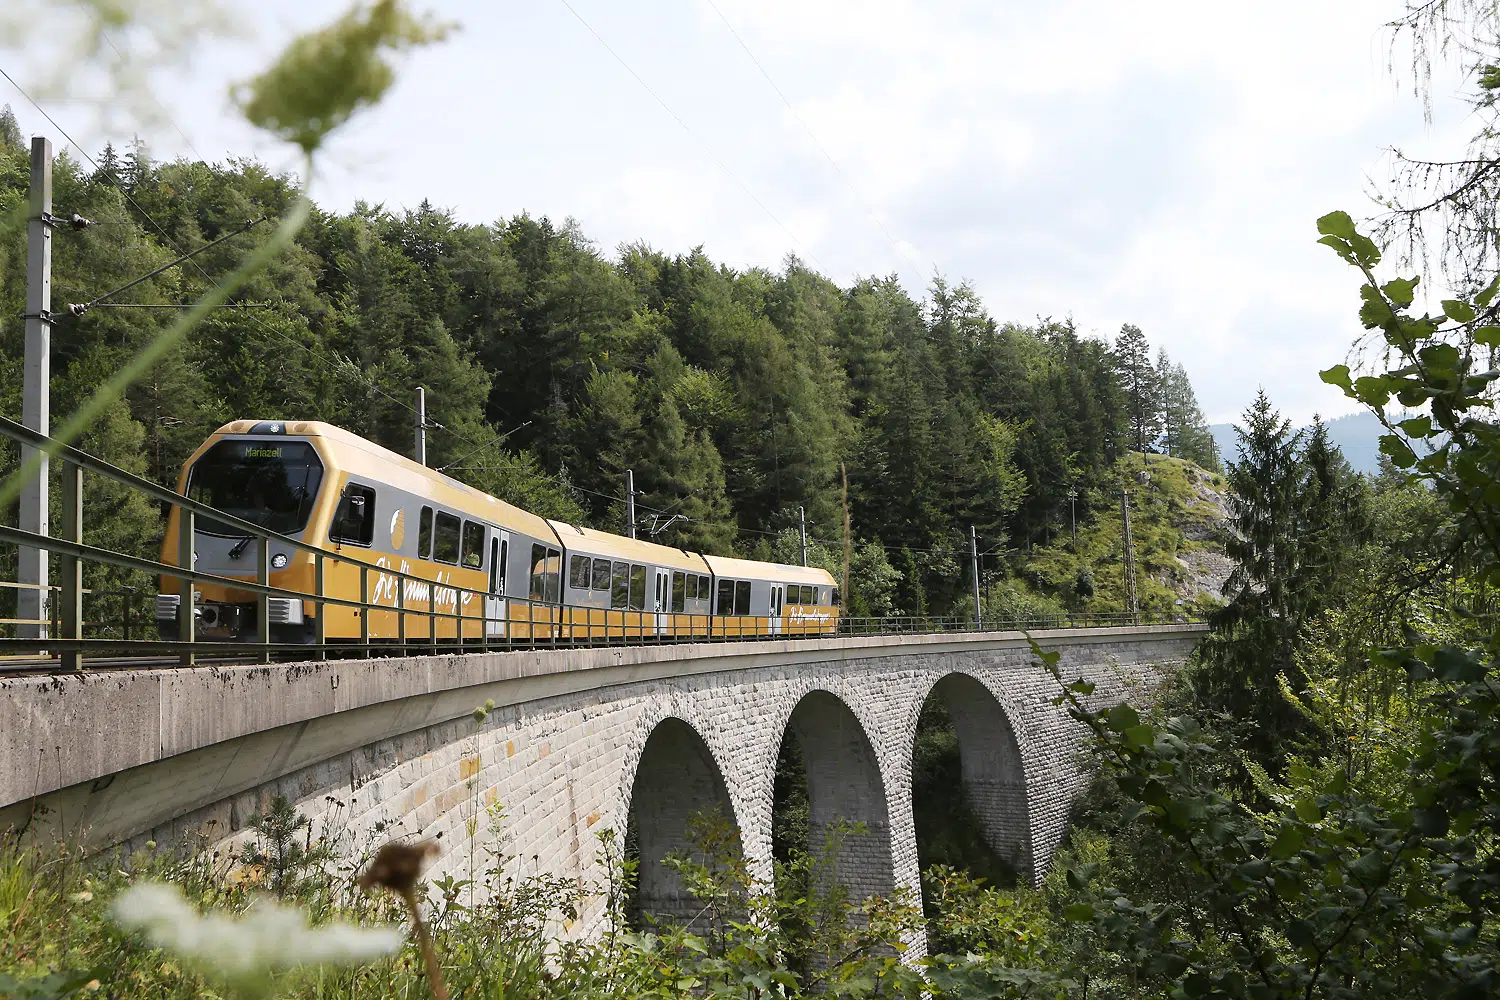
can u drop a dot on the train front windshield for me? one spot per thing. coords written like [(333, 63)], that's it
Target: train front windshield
[(269, 483)]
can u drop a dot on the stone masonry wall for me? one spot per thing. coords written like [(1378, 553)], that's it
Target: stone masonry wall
[(538, 781)]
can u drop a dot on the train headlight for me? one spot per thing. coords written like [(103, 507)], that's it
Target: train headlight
[(278, 561)]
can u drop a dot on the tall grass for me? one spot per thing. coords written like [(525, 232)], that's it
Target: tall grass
[(496, 935)]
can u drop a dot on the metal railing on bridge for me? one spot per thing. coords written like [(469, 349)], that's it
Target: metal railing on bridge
[(73, 641)]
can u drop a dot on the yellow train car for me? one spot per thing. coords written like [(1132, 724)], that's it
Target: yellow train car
[(756, 598), (396, 534), (440, 562), (624, 589)]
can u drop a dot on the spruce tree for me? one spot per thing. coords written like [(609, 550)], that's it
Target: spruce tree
[(1142, 391), (1185, 432), (109, 168), (1251, 651), (10, 130), (1335, 518), (138, 166)]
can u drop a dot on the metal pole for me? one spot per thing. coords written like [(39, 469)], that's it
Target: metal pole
[(974, 561), (1132, 605), (263, 601), (70, 621), (630, 503), (31, 571), (421, 426), (187, 560), (1073, 516), (802, 527)]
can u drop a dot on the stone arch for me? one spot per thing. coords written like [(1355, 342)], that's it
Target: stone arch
[(994, 771), (845, 785), (676, 778)]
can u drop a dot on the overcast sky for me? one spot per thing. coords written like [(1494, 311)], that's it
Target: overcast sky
[(1155, 163)]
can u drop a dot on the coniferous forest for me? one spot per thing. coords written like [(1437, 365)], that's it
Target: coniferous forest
[(735, 397)]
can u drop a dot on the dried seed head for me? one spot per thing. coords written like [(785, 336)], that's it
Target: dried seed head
[(397, 866)]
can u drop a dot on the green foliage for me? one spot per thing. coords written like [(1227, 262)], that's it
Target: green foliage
[(325, 76), (1174, 513), (284, 850), (733, 396), (495, 932), (1142, 384), (1297, 514), (1366, 865), (949, 835)]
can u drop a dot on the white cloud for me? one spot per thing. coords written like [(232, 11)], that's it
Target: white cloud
[(1154, 163)]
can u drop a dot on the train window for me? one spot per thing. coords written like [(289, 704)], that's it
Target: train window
[(809, 595), (705, 589), (578, 572), (726, 597), (554, 576), (538, 572), (742, 597), (473, 550), (601, 574), (619, 591), (637, 588), (354, 521), (835, 601), (445, 538), (497, 567), (679, 591), (424, 534), (270, 483)]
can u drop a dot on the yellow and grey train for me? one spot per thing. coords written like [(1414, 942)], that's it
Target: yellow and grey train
[(448, 560)]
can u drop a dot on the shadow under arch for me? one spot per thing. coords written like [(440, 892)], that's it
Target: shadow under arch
[(843, 786), (675, 780), (993, 773)]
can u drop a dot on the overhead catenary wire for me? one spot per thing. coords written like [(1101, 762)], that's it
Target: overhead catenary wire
[(170, 121), (869, 209), (188, 257), (367, 383), (78, 309), (694, 136)]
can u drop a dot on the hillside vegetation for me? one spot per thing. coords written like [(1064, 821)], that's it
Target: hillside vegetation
[(735, 396), (1177, 525)]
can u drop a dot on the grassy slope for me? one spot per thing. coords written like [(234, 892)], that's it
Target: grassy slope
[(1176, 511)]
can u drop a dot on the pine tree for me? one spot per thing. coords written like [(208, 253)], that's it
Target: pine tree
[(284, 849), (10, 130), (1185, 432), (109, 168), (1142, 390), (1335, 518), (138, 166), (1254, 641)]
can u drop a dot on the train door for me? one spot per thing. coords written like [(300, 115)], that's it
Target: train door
[(778, 599), (494, 601), (663, 601)]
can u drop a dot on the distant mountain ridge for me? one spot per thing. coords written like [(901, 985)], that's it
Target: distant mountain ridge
[(1356, 434)]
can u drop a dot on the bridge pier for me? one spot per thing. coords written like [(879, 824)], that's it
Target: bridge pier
[(677, 783), (994, 776), (847, 808)]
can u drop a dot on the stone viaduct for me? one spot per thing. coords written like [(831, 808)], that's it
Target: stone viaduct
[(580, 740)]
